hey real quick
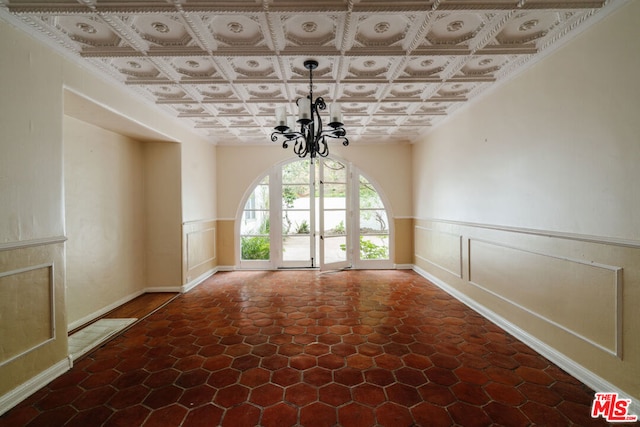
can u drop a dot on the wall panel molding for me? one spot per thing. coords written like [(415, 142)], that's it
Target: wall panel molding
[(439, 248), (551, 293), (20, 283), (32, 243), (199, 249), (630, 243), (576, 294)]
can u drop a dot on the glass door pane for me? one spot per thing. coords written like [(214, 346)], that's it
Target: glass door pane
[(334, 219), (373, 223), (297, 208), (254, 229)]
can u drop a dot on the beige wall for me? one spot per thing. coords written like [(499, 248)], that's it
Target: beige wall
[(386, 165), (32, 202), (199, 205), (105, 218), (525, 204), (31, 208), (123, 218), (163, 215)]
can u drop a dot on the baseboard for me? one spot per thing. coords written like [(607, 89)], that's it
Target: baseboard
[(226, 268), (157, 289), (403, 266), (578, 371), (95, 315), (26, 389), (198, 280)]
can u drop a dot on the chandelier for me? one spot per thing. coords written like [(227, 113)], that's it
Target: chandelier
[(310, 138)]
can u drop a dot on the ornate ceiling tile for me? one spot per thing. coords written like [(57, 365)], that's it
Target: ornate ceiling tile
[(254, 67), (385, 120), (222, 67), (309, 29), (357, 107), (213, 92), (407, 90), (301, 90), (368, 67), (88, 31), (360, 91), (236, 30), (426, 67), (195, 67), (527, 27), (455, 28), (393, 108), (483, 65), (264, 91), (161, 30), (135, 67), (167, 92), (455, 90), (382, 30)]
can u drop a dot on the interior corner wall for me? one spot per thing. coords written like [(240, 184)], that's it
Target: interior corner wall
[(105, 219), (526, 206), (163, 215), (199, 204)]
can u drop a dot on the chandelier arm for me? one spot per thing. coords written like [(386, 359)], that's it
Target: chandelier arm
[(300, 147)]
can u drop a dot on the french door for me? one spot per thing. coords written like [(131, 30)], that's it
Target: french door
[(321, 214), (314, 215)]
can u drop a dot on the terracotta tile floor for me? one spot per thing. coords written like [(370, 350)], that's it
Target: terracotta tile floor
[(356, 348)]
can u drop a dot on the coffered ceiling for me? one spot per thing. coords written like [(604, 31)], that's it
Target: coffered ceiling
[(398, 68)]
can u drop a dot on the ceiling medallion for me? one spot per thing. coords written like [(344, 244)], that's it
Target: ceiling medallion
[(309, 26), (160, 27), (528, 25), (486, 61), (455, 26), (235, 27), (89, 29), (134, 64), (369, 63), (253, 64), (311, 138), (382, 27), (193, 64)]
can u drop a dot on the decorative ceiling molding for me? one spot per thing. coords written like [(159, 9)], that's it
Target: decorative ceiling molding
[(222, 67)]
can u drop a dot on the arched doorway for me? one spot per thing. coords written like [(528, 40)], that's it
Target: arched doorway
[(323, 214)]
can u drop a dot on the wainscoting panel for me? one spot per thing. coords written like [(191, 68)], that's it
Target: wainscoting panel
[(199, 248), (577, 296), (442, 249), (27, 296), (33, 333)]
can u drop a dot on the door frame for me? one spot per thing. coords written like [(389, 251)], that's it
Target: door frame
[(353, 215)]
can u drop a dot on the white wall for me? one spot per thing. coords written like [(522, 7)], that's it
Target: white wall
[(554, 149)]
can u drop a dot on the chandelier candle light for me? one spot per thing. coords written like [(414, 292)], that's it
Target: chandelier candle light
[(310, 139)]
